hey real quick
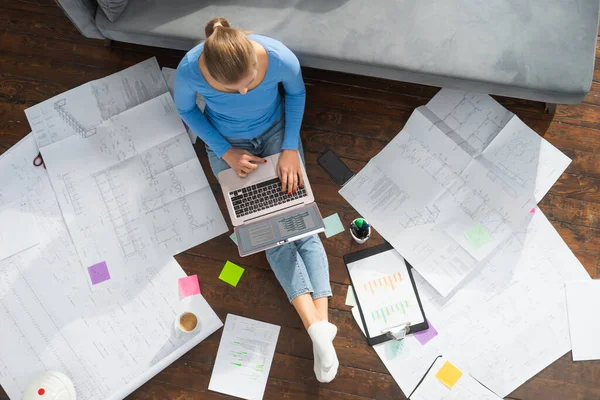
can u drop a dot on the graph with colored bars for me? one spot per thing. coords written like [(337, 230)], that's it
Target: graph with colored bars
[(384, 313), (385, 283)]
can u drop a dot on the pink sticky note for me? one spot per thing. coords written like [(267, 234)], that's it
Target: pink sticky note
[(532, 211), (425, 336), (99, 272), (189, 286)]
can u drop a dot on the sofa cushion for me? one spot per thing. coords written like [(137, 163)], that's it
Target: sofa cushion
[(536, 49), (112, 8), (82, 14)]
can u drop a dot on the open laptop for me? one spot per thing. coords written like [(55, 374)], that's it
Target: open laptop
[(263, 217)]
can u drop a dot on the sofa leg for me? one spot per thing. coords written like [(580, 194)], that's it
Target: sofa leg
[(107, 43), (551, 108)]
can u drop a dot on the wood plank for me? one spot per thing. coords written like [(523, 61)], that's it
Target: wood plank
[(577, 187), (571, 211), (546, 389), (196, 377), (45, 25), (583, 242), (43, 55), (593, 97), (52, 70), (76, 53), (14, 89), (572, 137), (293, 370), (35, 8)]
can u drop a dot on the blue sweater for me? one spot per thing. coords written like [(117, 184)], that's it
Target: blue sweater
[(233, 115)]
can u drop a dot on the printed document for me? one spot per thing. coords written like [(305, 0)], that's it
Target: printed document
[(18, 231), (583, 300), (108, 342), (447, 191), (505, 323), (385, 292), (244, 358), (128, 181)]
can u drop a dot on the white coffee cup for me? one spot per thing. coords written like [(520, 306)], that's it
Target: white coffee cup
[(187, 323)]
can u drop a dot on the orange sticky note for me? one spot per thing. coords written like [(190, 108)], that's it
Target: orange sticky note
[(448, 374)]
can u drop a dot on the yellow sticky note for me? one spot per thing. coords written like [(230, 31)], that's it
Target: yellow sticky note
[(231, 273), (448, 374)]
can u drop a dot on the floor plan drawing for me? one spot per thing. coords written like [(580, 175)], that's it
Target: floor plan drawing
[(459, 179), (133, 192), (61, 107), (47, 306)]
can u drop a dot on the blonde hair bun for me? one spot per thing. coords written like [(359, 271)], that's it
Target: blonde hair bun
[(228, 53), (210, 27)]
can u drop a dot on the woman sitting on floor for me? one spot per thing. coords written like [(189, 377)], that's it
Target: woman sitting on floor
[(246, 119)]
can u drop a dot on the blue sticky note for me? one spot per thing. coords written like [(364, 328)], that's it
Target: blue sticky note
[(333, 225), (232, 237)]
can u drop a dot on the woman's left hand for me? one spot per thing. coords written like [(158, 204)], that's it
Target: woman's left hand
[(288, 170)]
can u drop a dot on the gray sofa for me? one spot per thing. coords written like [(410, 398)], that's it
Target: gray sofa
[(533, 49)]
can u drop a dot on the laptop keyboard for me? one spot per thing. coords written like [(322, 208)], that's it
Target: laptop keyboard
[(261, 196)]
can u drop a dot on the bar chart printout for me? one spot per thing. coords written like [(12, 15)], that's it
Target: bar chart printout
[(384, 292)]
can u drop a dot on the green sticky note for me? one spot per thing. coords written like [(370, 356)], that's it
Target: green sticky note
[(350, 299), (232, 237), (396, 349), (231, 273), (477, 236), (333, 225)]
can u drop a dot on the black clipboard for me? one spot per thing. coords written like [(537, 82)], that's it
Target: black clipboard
[(366, 253)]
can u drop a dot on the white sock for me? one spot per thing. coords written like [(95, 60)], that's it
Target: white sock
[(322, 376), (322, 334)]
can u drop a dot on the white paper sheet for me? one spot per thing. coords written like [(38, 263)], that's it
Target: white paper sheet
[(244, 358), (583, 302), (454, 184), (384, 291), (466, 388), (169, 74), (519, 158), (129, 183), (80, 110), (506, 322), (424, 193), (109, 342), (471, 120), (18, 230)]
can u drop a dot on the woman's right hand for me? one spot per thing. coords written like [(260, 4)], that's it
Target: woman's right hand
[(242, 161)]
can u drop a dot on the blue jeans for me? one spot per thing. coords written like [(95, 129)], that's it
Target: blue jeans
[(301, 266)]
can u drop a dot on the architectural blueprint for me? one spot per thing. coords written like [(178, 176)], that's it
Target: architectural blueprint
[(445, 198), (80, 110), (507, 321), (128, 181), (523, 161), (18, 230), (107, 342)]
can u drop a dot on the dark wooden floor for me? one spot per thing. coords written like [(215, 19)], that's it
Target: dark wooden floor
[(41, 55)]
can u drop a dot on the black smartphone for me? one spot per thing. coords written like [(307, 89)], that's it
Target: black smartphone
[(337, 170)]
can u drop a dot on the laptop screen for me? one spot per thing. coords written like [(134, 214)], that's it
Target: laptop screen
[(269, 232)]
